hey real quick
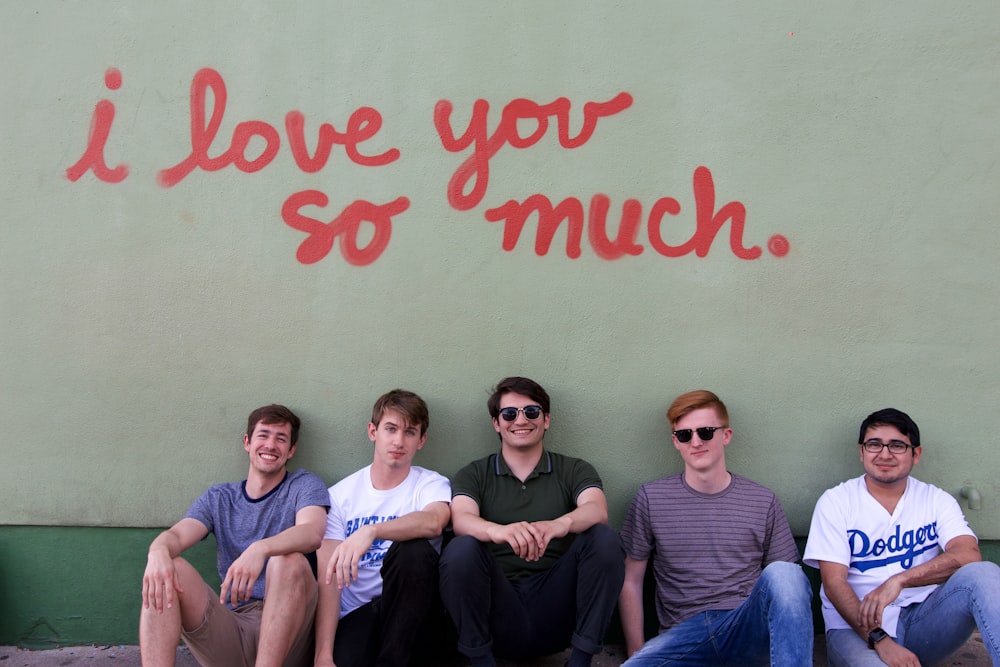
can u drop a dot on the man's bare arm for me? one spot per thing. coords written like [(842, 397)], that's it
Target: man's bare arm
[(304, 537), (159, 581), (958, 552), (591, 509), (426, 523), (848, 605), (630, 605), (327, 610)]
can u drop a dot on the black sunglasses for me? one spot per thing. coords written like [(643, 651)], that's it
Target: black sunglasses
[(704, 432), (530, 412)]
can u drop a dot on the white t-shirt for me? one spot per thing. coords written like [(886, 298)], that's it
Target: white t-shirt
[(354, 502), (851, 528)]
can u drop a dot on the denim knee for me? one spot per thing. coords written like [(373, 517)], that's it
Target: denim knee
[(983, 577), (786, 582)]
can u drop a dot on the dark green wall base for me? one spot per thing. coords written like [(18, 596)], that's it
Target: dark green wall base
[(78, 586)]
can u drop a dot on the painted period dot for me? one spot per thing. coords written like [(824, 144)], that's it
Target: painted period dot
[(113, 78), (778, 245)]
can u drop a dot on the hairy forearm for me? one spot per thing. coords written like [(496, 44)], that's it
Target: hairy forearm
[(939, 569), (846, 603)]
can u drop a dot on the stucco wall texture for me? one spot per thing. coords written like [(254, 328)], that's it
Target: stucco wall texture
[(793, 205)]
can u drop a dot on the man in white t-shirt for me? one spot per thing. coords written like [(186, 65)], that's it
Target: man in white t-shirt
[(379, 560), (903, 578)]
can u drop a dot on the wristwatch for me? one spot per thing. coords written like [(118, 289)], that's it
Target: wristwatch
[(875, 636)]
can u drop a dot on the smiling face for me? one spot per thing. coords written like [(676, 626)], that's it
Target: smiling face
[(703, 456), (887, 468), (522, 433), (396, 441), (270, 448)]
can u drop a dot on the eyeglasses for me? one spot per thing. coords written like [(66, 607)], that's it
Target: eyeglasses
[(530, 412), (876, 446), (704, 432)]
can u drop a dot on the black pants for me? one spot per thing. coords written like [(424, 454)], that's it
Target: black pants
[(403, 626), (569, 604)]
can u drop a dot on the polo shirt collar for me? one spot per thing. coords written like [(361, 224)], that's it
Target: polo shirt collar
[(544, 466)]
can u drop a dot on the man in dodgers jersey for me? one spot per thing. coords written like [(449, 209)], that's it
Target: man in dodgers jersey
[(903, 580), (379, 590)]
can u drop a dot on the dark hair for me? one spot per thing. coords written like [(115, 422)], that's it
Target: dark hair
[(696, 400), (517, 385), (410, 406), (274, 414), (891, 417)]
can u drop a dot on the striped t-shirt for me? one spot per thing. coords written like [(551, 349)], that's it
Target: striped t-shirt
[(707, 550)]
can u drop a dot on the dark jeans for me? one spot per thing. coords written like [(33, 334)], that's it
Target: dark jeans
[(569, 604), (403, 626)]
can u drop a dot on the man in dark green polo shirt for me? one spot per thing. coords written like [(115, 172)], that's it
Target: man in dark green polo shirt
[(534, 566)]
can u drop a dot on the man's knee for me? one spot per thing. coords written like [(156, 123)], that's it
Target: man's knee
[(289, 570), (787, 582), (603, 542), (410, 559), (464, 553), (982, 575)]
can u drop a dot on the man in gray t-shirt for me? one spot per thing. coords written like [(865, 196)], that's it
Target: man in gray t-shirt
[(267, 529), (728, 589)]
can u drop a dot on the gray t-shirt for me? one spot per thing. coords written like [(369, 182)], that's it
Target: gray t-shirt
[(238, 520), (707, 551)]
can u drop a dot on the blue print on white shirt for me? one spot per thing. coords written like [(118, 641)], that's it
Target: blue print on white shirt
[(376, 552), (901, 547)]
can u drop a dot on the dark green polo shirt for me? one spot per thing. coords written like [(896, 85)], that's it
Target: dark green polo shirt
[(549, 492)]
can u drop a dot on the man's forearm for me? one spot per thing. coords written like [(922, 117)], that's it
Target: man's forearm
[(847, 604), (472, 525), (169, 542), (422, 524), (586, 516), (939, 569), (300, 538), (327, 618), (632, 616)]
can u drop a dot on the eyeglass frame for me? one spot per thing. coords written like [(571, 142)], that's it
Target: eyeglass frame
[(691, 431), (886, 445), (501, 415)]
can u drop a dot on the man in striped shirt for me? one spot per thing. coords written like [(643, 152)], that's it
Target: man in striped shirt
[(728, 587)]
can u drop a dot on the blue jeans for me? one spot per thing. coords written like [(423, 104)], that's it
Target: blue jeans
[(938, 626), (773, 626)]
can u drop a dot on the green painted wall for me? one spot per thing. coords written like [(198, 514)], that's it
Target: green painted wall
[(845, 262)]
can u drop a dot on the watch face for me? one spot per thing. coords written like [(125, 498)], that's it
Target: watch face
[(875, 636)]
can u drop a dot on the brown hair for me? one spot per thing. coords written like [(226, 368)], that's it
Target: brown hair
[(412, 408), (274, 414), (517, 385), (696, 400)]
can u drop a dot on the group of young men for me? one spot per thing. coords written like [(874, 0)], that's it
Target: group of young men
[(356, 575)]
